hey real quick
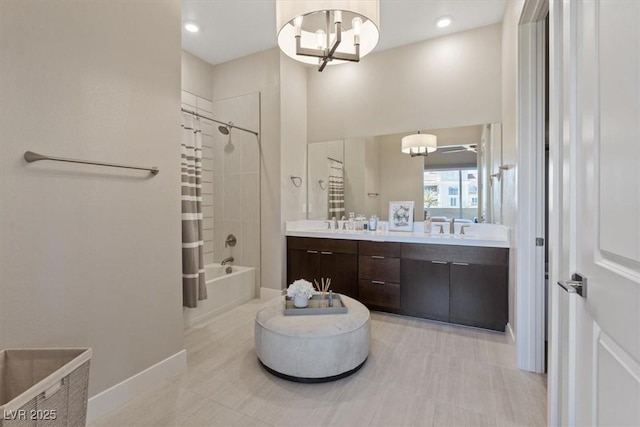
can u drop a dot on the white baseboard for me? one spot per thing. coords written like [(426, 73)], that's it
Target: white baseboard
[(513, 337), (116, 396), (267, 294)]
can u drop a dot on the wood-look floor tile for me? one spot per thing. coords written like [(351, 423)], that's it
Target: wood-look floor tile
[(419, 373), (447, 415), (357, 402), (399, 407), (520, 396), (166, 405), (215, 414), (469, 390), (312, 405)]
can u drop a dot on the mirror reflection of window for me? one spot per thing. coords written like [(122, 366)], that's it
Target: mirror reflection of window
[(451, 193)]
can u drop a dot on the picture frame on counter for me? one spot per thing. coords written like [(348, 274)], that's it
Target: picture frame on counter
[(401, 216)]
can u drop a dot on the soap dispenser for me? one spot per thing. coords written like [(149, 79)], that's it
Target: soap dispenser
[(427, 223)]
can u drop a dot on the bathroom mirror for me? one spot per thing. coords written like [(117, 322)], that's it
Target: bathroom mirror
[(461, 179)]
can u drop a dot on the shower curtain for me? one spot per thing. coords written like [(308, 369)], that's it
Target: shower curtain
[(193, 280), (336, 189)]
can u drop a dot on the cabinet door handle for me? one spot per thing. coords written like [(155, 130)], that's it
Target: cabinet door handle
[(326, 253), (460, 263), (377, 282), (377, 257), (312, 252), (438, 262)]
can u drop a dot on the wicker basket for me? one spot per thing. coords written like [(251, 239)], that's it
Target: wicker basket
[(44, 387)]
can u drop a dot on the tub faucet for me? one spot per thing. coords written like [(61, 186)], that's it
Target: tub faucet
[(452, 227), (227, 260)]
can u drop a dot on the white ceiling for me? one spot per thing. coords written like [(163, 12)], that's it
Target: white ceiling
[(230, 29)]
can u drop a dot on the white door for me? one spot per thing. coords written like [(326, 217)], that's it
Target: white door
[(595, 89)]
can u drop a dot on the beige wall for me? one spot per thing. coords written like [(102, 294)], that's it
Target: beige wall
[(196, 76), (438, 83), (509, 140), (91, 255), (293, 137), (260, 72), (400, 177)]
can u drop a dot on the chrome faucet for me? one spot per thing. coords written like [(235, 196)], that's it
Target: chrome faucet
[(452, 226), (227, 260), (335, 223)]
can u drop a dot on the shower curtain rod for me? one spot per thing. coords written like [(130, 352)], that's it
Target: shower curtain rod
[(218, 121)]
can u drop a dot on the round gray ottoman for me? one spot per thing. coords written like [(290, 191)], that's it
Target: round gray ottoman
[(312, 348)]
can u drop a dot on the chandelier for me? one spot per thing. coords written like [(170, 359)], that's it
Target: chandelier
[(327, 32)]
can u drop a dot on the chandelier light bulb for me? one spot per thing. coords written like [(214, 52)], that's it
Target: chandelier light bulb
[(298, 21), (320, 39), (356, 23)]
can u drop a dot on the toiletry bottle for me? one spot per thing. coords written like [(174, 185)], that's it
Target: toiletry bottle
[(373, 223), (330, 302), (351, 225), (427, 223)]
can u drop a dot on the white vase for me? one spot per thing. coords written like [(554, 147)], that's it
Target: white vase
[(300, 301)]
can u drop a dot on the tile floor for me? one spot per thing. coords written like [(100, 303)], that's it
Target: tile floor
[(419, 373)]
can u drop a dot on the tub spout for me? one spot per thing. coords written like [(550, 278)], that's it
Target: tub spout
[(227, 260)]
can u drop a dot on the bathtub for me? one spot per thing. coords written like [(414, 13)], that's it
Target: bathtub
[(224, 291)]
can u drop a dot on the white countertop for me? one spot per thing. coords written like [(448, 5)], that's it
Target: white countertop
[(485, 235)]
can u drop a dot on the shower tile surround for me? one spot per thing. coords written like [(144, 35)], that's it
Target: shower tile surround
[(236, 182), (230, 179)]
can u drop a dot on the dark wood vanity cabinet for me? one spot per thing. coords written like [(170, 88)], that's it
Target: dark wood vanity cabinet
[(313, 259), (379, 274), (425, 289), (467, 285), (478, 295)]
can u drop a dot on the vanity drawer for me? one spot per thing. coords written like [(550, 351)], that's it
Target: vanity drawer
[(376, 267), (385, 249), (323, 245), (379, 293), (452, 253)]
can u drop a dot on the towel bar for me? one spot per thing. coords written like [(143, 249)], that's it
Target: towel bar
[(30, 157)]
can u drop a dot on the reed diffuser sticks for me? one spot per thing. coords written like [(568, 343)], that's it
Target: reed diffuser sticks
[(325, 285)]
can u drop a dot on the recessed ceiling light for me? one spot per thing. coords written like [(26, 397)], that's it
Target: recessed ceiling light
[(444, 21), (192, 27)]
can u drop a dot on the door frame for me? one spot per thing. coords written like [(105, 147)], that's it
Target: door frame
[(560, 96), (530, 276)]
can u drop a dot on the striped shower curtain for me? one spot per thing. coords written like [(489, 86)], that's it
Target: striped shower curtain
[(336, 189), (193, 280)]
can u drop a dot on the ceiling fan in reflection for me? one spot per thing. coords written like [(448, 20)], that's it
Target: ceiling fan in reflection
[(459, 148)]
